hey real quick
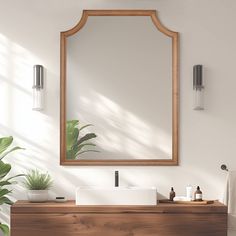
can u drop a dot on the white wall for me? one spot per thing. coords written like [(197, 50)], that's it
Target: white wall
[(29, 34)]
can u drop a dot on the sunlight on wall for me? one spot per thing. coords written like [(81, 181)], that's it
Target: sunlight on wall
[(121, 133), (16, 99), (17, 118)]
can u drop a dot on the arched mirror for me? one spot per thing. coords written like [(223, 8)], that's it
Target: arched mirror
[(119, 90)]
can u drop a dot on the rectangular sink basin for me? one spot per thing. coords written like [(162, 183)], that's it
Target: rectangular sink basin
[(116, 196)]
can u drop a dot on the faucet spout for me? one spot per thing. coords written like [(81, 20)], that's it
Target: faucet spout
[(116, 178)]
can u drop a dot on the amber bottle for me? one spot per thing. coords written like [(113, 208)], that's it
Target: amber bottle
[(198, 195)]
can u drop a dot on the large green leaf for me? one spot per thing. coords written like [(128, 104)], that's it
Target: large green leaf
[(72, 137), (86, 137), (11, 150), (79, 147), (5, 142), (72, 133), (86, 151), (4, 169), (5, 229), (5, 200), (70, 154), (4, 192), (72, 123), (12, 177), (7, 182), (85, 126), (74, 144), (3, 183)]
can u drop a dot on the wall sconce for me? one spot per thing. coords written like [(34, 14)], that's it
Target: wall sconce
[(198, 88), (38, 88)]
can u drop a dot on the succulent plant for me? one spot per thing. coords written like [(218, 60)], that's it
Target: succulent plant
[(35, 180)]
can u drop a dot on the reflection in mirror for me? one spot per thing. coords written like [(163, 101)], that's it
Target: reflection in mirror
[(119, 80)]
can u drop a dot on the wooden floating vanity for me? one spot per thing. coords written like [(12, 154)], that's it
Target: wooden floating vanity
[(67, 219)]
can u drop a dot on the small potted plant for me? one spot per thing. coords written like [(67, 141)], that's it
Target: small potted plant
[(38, 185)]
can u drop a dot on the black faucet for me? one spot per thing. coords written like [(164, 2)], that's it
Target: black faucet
[(116, 178)]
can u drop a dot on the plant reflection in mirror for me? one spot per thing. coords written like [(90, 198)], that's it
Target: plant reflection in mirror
[(77, 144)]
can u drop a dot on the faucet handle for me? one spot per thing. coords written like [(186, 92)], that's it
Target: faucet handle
[(116, 178)]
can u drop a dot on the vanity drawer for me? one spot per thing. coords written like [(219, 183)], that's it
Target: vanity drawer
[(68, 219), (115, 224)]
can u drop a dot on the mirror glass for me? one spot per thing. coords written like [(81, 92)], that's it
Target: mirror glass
[(119, 80)]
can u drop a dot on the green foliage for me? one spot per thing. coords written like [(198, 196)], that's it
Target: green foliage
[(5, 229), (76, 145), (35, 180), (5, 168), (5, 142)]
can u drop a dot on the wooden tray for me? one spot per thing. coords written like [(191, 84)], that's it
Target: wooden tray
[(204, 202)]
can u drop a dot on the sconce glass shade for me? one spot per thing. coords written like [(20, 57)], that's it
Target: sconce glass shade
[(198, 99), (37, 99), (198, 88), (38, 88)]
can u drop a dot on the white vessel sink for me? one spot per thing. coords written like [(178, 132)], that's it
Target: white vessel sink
[(116, 196)]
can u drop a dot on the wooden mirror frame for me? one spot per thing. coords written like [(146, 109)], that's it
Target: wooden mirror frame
[(175, 91)]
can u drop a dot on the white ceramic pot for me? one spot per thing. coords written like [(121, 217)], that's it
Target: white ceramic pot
[(37, 195)]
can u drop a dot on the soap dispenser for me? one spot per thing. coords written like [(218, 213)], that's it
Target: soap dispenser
[(189, 192)]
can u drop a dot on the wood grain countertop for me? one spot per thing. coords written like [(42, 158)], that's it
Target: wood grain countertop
[(70, 207)]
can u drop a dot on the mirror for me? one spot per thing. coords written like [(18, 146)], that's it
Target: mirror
[(119, 90)]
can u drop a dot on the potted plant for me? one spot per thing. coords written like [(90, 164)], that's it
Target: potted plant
[(5, 180), (38, 184)]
